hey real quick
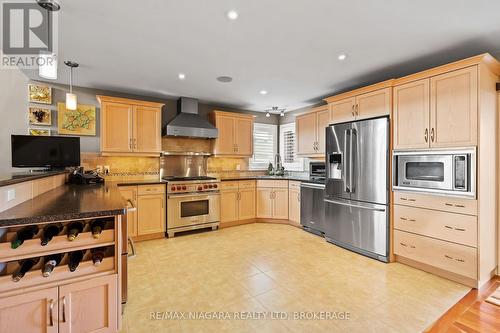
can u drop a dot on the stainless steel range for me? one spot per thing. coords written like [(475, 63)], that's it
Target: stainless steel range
[(193, 199)]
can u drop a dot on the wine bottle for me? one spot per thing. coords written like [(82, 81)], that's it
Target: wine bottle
[(49, 232), (97, 256), (50, 263), (97, 227), (74, 228), (74, 260), (24, 234), (24, 266)]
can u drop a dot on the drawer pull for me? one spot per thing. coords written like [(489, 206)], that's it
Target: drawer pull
[(448, 204), (412, 246), (460, 260), (403, 244), (460, 206), (459, 229), (412, 220), (403, 218), (403, 199), (51, 309), (448, 227), (412, 200), (448, 257)]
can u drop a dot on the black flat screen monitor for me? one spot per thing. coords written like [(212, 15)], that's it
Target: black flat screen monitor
[(30, 151)]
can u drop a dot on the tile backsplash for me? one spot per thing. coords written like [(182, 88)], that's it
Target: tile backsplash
[(123, 166)]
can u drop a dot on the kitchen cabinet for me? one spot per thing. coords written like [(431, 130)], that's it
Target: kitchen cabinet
[(294, 201), (272, 199), (89, 306), (237, 200), (130, 127), (370, 104), (435, 112), (30, 312), (310, 131), (235, 134), (129, 193)]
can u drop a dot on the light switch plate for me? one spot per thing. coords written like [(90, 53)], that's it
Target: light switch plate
[(11, 194)]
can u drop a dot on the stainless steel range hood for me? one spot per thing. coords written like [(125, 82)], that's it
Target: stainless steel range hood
[(188, 123)]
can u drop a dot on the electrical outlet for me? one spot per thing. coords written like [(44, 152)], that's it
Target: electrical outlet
[(107, 170), (99, 169), (238, 167), (11, 194)]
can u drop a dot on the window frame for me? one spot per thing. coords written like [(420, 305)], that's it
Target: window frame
[(263, 165), (298, 164)]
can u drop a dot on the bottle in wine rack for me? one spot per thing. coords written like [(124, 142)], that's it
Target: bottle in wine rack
[(97, 227), (74, 228), (24, 266), (97, 256), (49, 232), (75, 258), (50, 263), (24, 234)]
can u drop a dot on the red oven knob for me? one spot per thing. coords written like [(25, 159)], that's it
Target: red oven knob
[(200, 188), (184, 187), (173, 188), (178, 188), (215, 185), (210, 186), (205, 186)]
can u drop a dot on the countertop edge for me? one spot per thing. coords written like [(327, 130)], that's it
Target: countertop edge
[(30, 177)]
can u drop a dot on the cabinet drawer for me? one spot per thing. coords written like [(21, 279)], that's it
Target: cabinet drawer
[(229, 185), (458, 259), (246, 184), (151, 189), (275, 183), (451, 227), (294, 185), (448, 204)]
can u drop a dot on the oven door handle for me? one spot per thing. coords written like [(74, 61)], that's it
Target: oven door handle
[(201, 195)]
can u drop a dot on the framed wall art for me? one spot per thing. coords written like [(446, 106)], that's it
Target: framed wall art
[(81, 121), (39, 116), (39, 131), (40, 94)]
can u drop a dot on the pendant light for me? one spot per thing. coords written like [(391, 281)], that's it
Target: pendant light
[(47, 58), (71, 100)]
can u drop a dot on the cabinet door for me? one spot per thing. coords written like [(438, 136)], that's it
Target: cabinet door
[(294, 205), (246, 204), (305, 129), (30, 312), (243, 136), (147, 129), (116, 127), (454, 108), (89, 306), (264, 203), (224, 144), (374, 104), (151, 214), (411, 115), (342, 111), (129, 193), (229, 205), (280, 203), (323, 120)]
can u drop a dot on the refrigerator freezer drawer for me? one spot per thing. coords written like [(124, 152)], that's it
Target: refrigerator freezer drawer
[(358, 226)]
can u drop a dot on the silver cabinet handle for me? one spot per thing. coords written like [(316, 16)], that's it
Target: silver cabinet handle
[(64, 310), (298, 197), (432, 134), (357, 109), (403, 244), (51, 310), (352, 110), (132, 207), (447, 256), (426, 135)]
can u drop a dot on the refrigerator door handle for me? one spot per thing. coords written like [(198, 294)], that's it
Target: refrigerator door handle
[(337, 202), (351, 159), (347, 133)]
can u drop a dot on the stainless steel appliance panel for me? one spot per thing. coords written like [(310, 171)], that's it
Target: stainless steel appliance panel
[(312, 207), (192, 209), (369, 164), (337, 160), (183, 165), (358, 226)]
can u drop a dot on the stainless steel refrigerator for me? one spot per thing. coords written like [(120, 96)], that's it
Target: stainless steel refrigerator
[(357, 186)]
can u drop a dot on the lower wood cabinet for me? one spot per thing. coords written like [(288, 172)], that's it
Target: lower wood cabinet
[(129, 193), (87, 306), (272, 199), (294, 201), (237, 200)]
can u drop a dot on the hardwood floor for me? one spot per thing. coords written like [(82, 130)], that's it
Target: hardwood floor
[(472, 313)]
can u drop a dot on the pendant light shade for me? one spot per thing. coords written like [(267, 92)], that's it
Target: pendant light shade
[(48, 67), (71, 100)]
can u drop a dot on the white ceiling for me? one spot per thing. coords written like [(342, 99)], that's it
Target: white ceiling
[(287, 47)]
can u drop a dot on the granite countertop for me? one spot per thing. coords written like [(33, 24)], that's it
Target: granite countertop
[(67, 202), (20, 177), (302, 178)]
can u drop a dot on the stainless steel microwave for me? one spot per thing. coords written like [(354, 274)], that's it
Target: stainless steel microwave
[(436, 171)]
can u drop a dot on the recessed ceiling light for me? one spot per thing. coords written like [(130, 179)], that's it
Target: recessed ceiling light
[(182, 76), (263, 92), (342, 56), (225, 79), (232, 15)]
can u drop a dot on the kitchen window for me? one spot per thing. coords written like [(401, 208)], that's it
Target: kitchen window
[(288, 148), (265, 141)]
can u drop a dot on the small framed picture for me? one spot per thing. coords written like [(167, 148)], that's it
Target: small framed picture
[(40, 94), (39, 132), (39, 116)]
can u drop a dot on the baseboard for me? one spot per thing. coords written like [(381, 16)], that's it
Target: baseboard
[(235, 223), (249, 221), (439, 272), (157, 235)]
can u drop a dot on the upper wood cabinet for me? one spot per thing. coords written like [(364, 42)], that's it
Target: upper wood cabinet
[(369, 102), (310, 131), (235, 133), (130, 127), (440, 111)]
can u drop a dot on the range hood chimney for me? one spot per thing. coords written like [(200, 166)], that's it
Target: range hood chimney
[(188, 123)]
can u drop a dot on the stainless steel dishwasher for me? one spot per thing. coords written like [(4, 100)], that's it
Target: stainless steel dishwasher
[(312, 207)]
